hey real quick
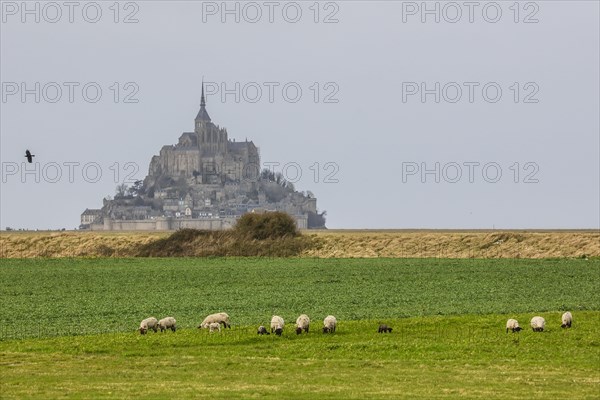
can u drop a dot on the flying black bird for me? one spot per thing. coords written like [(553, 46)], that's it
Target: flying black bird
[(29, 156)]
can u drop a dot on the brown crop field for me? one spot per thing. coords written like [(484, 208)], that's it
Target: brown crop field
[(331, 244), (457, 244)]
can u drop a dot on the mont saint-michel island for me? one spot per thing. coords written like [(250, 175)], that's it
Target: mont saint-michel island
[(205, 181)]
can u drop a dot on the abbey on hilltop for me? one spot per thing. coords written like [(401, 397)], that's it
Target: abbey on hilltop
[(206, 155), (205, 181)]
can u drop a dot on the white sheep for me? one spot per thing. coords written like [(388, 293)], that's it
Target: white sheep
[(567, 320), (148, 323), (277, 325), (513, 325), (214, 326), (221, 318), (329, 324), (302, 324), (538, 324), (167, 323)]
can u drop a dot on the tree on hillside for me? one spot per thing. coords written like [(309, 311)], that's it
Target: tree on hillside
[(120, 191), (277, 177), (136, 189)]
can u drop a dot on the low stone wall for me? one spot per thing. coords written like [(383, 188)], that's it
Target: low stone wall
[(164, 224), (173, 224)]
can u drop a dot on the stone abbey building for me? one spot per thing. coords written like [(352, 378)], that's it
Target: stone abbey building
[(205, 181), (206, 155)]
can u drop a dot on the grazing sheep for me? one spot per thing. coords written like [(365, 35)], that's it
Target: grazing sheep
[(277, 325), (214, 326), (329, 324), (302, 324), (262, 331), (167, 323), (567, 320), (383, 328), (538, 324), (148, 323), (221, 318), (513, 325)]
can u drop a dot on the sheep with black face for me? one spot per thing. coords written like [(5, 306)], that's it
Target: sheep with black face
[(538, 324), (302, 324), (221, 318), (513, 325), (277, 324), (262, 331), (167, 323), (148, 323), (567, 320)]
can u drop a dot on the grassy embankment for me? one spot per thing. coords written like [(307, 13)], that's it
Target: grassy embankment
[(321, 244)]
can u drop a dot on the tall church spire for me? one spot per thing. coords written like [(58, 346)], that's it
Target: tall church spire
[(202, 114)]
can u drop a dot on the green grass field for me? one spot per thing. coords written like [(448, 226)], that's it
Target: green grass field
[(69, 328)]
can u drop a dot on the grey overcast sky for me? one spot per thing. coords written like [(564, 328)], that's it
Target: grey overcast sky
[(396, 114)]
